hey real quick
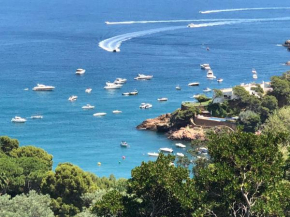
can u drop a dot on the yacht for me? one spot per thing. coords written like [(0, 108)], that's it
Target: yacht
[(80, 71), (169, 150), (18, 119), (206, 90), (153, 154), (89, 90), (110, 85), (120, 81), (162, 99), (72, 98), (210, 74), (145, 106), (255, 76), (100, 114), (220, 80), (254, 71), (178, 87), (124, 144), (88, 106), (143, 77), (191, 25), (193, 84), (42, 87), (117, 112), (36, 117), (204, 66), (179, 154), (180, 145)]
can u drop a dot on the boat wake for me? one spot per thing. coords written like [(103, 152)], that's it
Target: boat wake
[(243, 9), (113, 44)]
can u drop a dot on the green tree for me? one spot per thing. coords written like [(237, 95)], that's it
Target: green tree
[(281, 90), (249, 120), (7, 144), (202, 98)]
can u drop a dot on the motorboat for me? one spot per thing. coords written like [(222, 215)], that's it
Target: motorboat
[(89, 90), (178, 87), (220, 80), (180, 145), (18, 119), (116, 50), (193, 84), (204, 66), (255, 76), (72, 98), (191, 25), (169, 150), (153, 154), (100, 114), (143, 77), (135, 92), (110, 85), (126, 94), (80, 71), (36, 117), (210, 74), (206, 90), (124, 144), (42, 87), (117, 112), (120, 81), (145, 106), (254, 71), (88, 106), (179, 154), (162, 99)]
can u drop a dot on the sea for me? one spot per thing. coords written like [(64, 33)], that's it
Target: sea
[(46, 41)]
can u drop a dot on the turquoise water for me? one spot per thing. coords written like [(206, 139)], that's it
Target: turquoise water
[(45, 42)]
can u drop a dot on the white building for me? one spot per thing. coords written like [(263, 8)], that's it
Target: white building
[(228, 93)]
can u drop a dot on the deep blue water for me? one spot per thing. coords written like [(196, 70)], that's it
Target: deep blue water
[(46, 41)]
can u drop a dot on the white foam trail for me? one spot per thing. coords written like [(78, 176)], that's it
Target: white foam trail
[(243, 9), (113, 44)]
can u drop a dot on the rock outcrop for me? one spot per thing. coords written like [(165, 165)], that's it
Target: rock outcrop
[(160, 124), (187, 133), (287, 63), (287, 43)]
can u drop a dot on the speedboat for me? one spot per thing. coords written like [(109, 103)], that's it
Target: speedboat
[(124, 144), (110, 85), (220, 80), (210, 74), (254, 71), (88, 90), (100, 114), (126, 93), (179, 154), (135, 92), (255, 76), (204, 66), (191, 25), (180, 145), (117, 112), (153, 154), (42, 87), (162, 99), (18, 119), (88, 106), (36, 117), (145, 106), (72, 98), (206, 90), (80, 71), (120, 81), (193, 84), (178, 87), (116, 50), (143, 77), (169, 150)]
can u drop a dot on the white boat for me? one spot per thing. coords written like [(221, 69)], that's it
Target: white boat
[(145, 106), (204, 66), (116, 50), (120, 81), (18, 119), (220, 80), (110, 85), (255, 76), (193, 84), (124, 144), (210, 74), (89, 90), (169, 150), (132, 93), (178, 87), (153, 154), (254, 71), (191, 25), (88, 106), (72, 98), (179, 154), (42, 87), (207, 68), (26, 89), (100, 114), (117, 112), (36, 117), (126, 93), (180, 145), (206, 90), (143, 77), (80, 71), (162, 99), (195, 96)]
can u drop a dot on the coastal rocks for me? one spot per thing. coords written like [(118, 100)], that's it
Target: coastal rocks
[(287, 43), (160, 124), (188, 134), (287, 63)]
